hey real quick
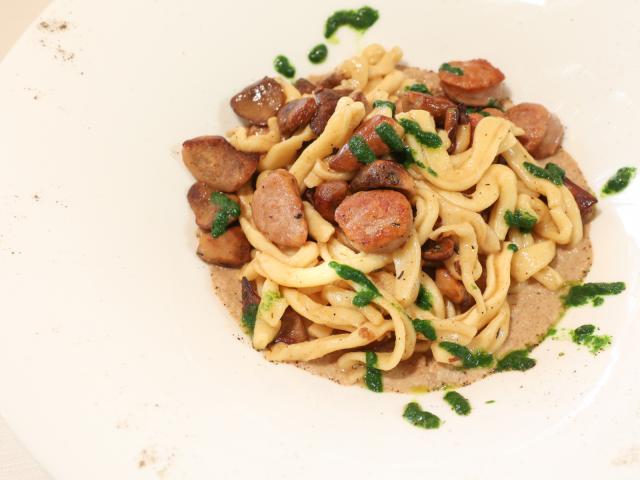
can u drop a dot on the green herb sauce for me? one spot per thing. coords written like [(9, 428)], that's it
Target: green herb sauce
[(424, 299), (401, 151), (448, 68), (418, 87), (228, 210), (425, 328), (584, 335), (490, 401), (520, 219), (591, 292), (249, 317), (551, 172), (479, 110), (318, 54), (551, 332), (385, 104), (372, 376), (359, 20), (428, 139), (513, 247), (369, 290), (468, 358), (458, 403), (420, 418), (284, 67), (267, 301), (432, 172), (493, 103), (619, 181), (361, 150), (516, 360)]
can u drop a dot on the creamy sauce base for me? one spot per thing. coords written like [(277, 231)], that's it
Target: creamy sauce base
[(533, 310)]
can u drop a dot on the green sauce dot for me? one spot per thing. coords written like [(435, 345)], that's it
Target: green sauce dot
[(284, 67), (318, 54)]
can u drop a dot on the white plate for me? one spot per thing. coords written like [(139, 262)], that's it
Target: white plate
[(117, 362)]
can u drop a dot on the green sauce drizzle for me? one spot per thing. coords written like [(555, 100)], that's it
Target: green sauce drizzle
[(385, 103), (318, 54), (448, 68), (369, 290), (493, 103), (432, 172), (550, 333), (516, 360), (425, 328), (490, 401), (429, 139), (425, 299), (359, 20), (513, 247), (403, 153), (591, 292), (468, 358), (267, 301), (520, 219), (584, 335), (361, 150), (373, 376), (228, 210), (458, 403), (479, 110), (284, 67), (420, 418), (418, 87), (551, 172), (249, 317), (619, 181)]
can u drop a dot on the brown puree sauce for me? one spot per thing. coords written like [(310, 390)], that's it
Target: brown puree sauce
[(533, 310)]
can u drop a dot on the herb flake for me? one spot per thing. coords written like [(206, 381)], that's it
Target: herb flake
[(420, 418)]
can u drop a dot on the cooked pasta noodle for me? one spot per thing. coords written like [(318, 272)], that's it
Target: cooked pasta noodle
[(468, 193)]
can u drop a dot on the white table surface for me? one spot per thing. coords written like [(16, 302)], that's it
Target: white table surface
[(15, 462)]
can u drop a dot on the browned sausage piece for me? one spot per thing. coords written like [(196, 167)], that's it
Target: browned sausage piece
[(327, 100), (584, 199), (250, 298), (332, 80), (450, 287), (475, 117), (231, 249), (292, 329), (439, 250), (304, 86), (199, 197), (277, 209), (479, 83), (214, 161), (437, 106), (259, 101), (383, 174), (296, 114), (552, 138), (543, 131), (376, 221), (328, 196), (346, 161)]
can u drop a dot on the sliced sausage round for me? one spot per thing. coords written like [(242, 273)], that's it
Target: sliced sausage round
[(376, 221), (543, 131), (214, 161), (231, 249), (199, 197), (327, 196), (426, 77), (383, 174), (277, 209), (346, 161), (259, 101), (296, 114), (479, 82), (437, 106)]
